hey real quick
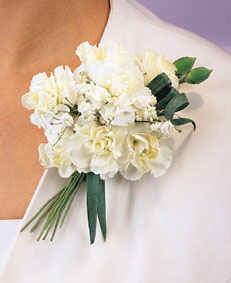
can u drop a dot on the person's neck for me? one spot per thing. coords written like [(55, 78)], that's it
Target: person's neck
[(39, 35)]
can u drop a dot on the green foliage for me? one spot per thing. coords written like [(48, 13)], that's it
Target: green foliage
[(184, 65), (197, 75), (169, 100), (159, 83), (182, 121), (96, 205), (56, 208)]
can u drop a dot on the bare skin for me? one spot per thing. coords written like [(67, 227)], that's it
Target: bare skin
[(36, 36)]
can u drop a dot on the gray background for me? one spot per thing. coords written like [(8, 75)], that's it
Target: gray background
[(210, 19)]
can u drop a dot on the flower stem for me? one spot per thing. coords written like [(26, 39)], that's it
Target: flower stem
[(53, 209)]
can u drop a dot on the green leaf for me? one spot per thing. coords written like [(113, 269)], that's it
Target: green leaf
[(184, 65), (178, 103), (197, 75), (96, 204), (163, 92), (165, 100), (101, 207), (91, 205), (160, 82), (182, 121)]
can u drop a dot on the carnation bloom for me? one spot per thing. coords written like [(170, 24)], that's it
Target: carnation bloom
[(148, 153), (46, 93), (95, 148), (152, 65), (56, 155), (109, 66), (110, 52)]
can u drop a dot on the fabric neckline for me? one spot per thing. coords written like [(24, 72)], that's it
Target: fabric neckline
[(109, 21)]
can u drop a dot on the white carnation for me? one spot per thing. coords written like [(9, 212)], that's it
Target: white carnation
[(110, 52), (64, 83), (40, 119), (127, 78), (95, 148), (148, 153), (56, 155), (152, 65), (124, 116), (46, 93)]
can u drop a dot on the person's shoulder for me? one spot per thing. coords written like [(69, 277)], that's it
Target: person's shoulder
[(134, 10)]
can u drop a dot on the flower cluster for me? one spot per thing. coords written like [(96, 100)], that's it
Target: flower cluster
[(102, 118)]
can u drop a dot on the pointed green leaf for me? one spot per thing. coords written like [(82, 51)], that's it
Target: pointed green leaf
[(96, 204), (184, 65), (101, 206), (178, 103), (182, 121), (197, 75), (91, 205)]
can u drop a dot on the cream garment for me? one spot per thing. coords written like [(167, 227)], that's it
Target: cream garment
[(8, 229), (174, 229)]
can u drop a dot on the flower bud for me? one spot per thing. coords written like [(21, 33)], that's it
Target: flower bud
[(184, 65), (197, 75)]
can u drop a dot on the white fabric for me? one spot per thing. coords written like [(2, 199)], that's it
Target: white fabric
[(174, 229), (8, 229)]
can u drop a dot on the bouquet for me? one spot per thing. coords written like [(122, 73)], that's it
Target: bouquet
[(113, 114)]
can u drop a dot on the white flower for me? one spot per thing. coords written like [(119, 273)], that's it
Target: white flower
[(95, 95), (53, 124), (109, 66), (124, 116), (110, 52), (117, 78), (127, 78), (94, 148), (144, 98), (56, 155), (148, 153), (45, 121), (108, 111), (40, 119), (149, 113), (166, 128), (66, 120), (64, 83), (152, 65), (41, 97), (118, 115), (87, 53), (84, 107), (46, 93)]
